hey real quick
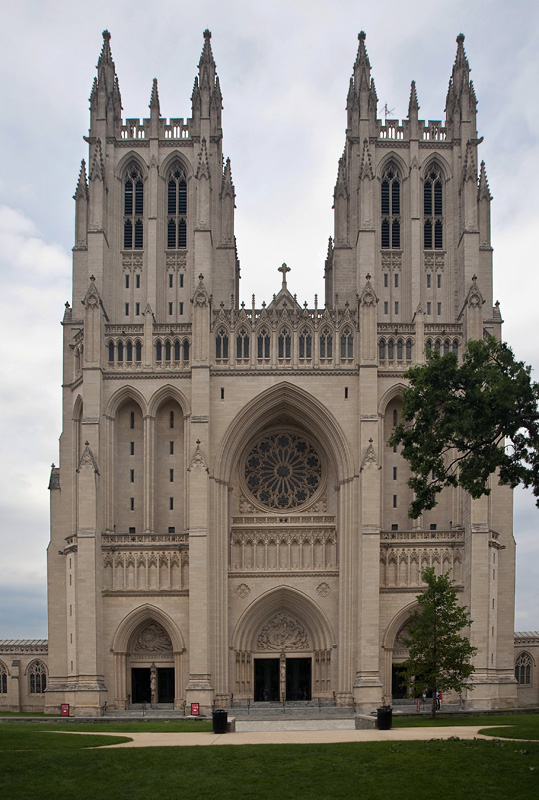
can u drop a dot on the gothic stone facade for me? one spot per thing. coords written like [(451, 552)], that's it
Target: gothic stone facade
[(227, 518)]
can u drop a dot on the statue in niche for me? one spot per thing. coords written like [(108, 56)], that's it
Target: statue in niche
[(153, 685)]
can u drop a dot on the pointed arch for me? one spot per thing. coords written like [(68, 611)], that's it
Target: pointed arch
[(436, 161), (131, 159), (283, 598), (175, 157), (141, 615), (77, 408), (164, 393), (391, 394), (268, 408), (392, 159), (397, 623), (123, 395)]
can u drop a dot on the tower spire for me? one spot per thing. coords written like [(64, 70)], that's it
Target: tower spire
[(105, 98), (461, 101), (154, 99)]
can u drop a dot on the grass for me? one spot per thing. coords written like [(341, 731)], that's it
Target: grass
[(453, 770), (522, 726)]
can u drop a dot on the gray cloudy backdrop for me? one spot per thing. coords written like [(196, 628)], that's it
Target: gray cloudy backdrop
[(284, 69)]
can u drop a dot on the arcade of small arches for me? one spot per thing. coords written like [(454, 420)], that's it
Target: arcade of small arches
[(126, 351), (284, 343)]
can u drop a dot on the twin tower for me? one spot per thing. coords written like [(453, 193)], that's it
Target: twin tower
[(227, 520)]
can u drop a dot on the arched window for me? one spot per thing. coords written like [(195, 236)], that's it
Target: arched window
[(284, 343), (433, 238), (437, 346), (263, 344), (221, 344), (305, 344), (395, 418), (129, 351), (133, 210), (177, 210), (408, 350), (186, 351), (168, 351), (138, 351), (3, 678), (242, 344), (382, 350), (158, 351), (447, 345), (390, 207), (326, 344), (111, 351), (120, 351), (347, 344), (176, 350), (399, 350), (456, 347), (37, 675), (391, 350), (523, 669)]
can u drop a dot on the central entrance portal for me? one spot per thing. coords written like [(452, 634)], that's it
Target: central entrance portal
[(275, 677), (141, 688)]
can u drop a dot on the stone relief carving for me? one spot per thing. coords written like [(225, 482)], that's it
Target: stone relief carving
[(323, 589), (242, 590), (283, 632), (152, 638)]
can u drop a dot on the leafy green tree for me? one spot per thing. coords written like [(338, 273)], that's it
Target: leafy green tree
[(462, 422), (439, 656)]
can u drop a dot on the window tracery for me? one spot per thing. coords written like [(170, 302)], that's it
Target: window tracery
[(347, 344), (221, 344), (284, 343), (177, 210), (305, 344), (263, 344), (283, 470), (242, 344), (133, 210), (523, 669), (433, 211), (326, 344), (37, 676), (390, 210)]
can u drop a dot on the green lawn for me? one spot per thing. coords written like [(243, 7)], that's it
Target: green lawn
[(522, 726), (451, 770)]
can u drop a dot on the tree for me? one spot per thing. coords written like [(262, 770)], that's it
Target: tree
[(439, 657), (462, 422)]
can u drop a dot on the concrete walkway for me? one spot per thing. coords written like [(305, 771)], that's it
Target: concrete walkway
[(291, 737)]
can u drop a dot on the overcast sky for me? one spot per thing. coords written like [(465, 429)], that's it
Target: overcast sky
[(284, 69)]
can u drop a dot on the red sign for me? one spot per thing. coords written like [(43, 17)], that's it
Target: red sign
[(64, 709), (195, 709)]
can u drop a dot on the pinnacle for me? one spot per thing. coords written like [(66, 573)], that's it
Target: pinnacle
[(413, 105), (82, 183), (362, 59), (105, 56), (484, 189), (154, 98)]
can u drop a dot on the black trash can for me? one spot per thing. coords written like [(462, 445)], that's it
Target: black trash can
[(385, 718), (220, 720)]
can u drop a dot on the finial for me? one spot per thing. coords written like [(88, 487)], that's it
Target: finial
[(460, 38), (87, 443), (207, 34), (106, 36), (92, 278), (368, 276), (474, 278), (201, 277), (362, 36), (67, 304)]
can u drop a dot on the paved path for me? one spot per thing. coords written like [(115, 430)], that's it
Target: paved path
[(291, 737)]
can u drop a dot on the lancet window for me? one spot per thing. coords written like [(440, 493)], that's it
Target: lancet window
[(177, 210), (263, 344), (37, 676), (3, 678), (305, 344), (347, 344), (433, 238), (326, 344), (242, 344), (284, 343), (390, 207), (523, 669), (133, 210), (221, 344)]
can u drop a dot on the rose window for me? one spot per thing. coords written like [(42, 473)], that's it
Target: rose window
[(283, 470)]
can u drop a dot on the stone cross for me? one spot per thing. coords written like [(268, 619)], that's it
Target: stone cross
[(284, 269)]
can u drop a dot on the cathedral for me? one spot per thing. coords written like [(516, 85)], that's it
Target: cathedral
[(228, 522)]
